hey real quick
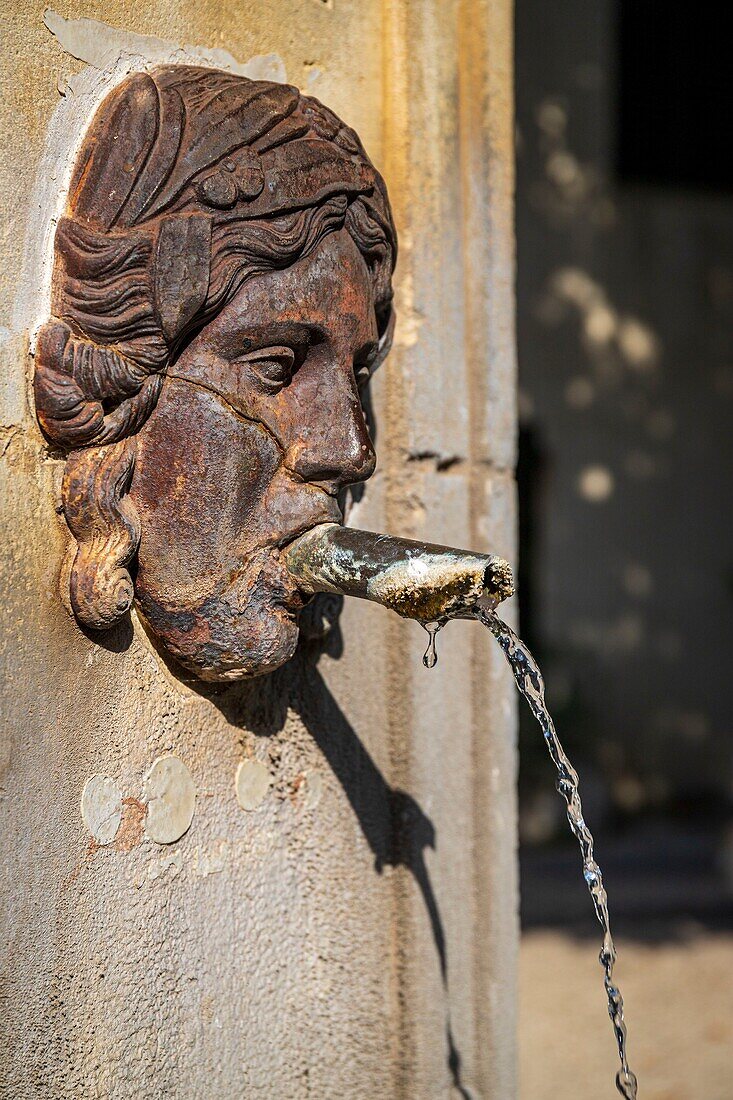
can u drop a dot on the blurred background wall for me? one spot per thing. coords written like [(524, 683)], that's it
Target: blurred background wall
[(625, 336)]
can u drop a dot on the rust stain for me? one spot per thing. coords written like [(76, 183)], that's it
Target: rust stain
[(295, 787), (129, 835), (73, 875), (130, 832)]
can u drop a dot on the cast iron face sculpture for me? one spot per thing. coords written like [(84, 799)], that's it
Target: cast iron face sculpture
[(221, 292)]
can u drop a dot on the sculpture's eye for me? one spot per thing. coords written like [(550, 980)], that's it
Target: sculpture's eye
[(362, 374), (272, 367), (365, 363)]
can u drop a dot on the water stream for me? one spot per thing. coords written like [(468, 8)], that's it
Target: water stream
[(529, 681)]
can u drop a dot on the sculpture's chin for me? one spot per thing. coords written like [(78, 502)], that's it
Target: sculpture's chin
[(248, 628), (255, 654)]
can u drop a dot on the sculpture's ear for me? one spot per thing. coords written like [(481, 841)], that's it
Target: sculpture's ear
[(182, 266)]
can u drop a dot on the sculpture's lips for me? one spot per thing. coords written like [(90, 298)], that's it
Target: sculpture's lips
[(324, 515), (293, 598)]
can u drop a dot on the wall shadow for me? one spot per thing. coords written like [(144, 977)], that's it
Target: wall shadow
[(393, 823)]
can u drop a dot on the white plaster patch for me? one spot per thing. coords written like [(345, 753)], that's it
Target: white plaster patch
[(312, 76), (312, 788), (101, 808), (252, 784), (103, 46), (211, 860), (170, 795), (170, 863)]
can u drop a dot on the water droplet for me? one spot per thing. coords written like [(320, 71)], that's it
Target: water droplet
[(626, 1084), (430, 656)]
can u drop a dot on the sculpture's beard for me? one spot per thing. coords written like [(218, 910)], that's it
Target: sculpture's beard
[(248, 626)]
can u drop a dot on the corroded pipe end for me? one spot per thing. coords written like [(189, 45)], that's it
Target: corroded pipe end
[(417, 580), (499, 580)]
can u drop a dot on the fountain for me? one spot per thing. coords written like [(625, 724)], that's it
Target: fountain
[(434, 584), (221, 295)]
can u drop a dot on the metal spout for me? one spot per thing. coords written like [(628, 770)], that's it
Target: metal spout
[(416, 579)]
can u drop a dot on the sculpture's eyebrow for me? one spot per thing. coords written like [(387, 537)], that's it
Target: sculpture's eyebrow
[(290, 333)]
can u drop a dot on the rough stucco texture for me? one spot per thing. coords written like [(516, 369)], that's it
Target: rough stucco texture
[(353, 934)]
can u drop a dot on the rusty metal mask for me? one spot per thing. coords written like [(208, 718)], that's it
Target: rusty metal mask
[(221, 293)]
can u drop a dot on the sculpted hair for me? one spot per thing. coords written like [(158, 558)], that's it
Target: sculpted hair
[(189, 182)]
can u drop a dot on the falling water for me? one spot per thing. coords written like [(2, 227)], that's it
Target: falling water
[(531, 685), (430, 656)]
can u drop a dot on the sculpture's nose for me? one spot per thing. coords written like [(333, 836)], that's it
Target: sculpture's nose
[(334, 446)]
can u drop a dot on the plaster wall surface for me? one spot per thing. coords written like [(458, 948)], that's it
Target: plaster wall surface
[(354, 934)]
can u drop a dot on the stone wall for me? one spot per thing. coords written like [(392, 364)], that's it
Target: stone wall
[(353, 932)]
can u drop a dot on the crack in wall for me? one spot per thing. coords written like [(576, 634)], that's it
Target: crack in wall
[(443, 463)]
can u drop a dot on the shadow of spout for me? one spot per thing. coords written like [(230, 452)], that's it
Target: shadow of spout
[(392, 822), (394, 825)]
